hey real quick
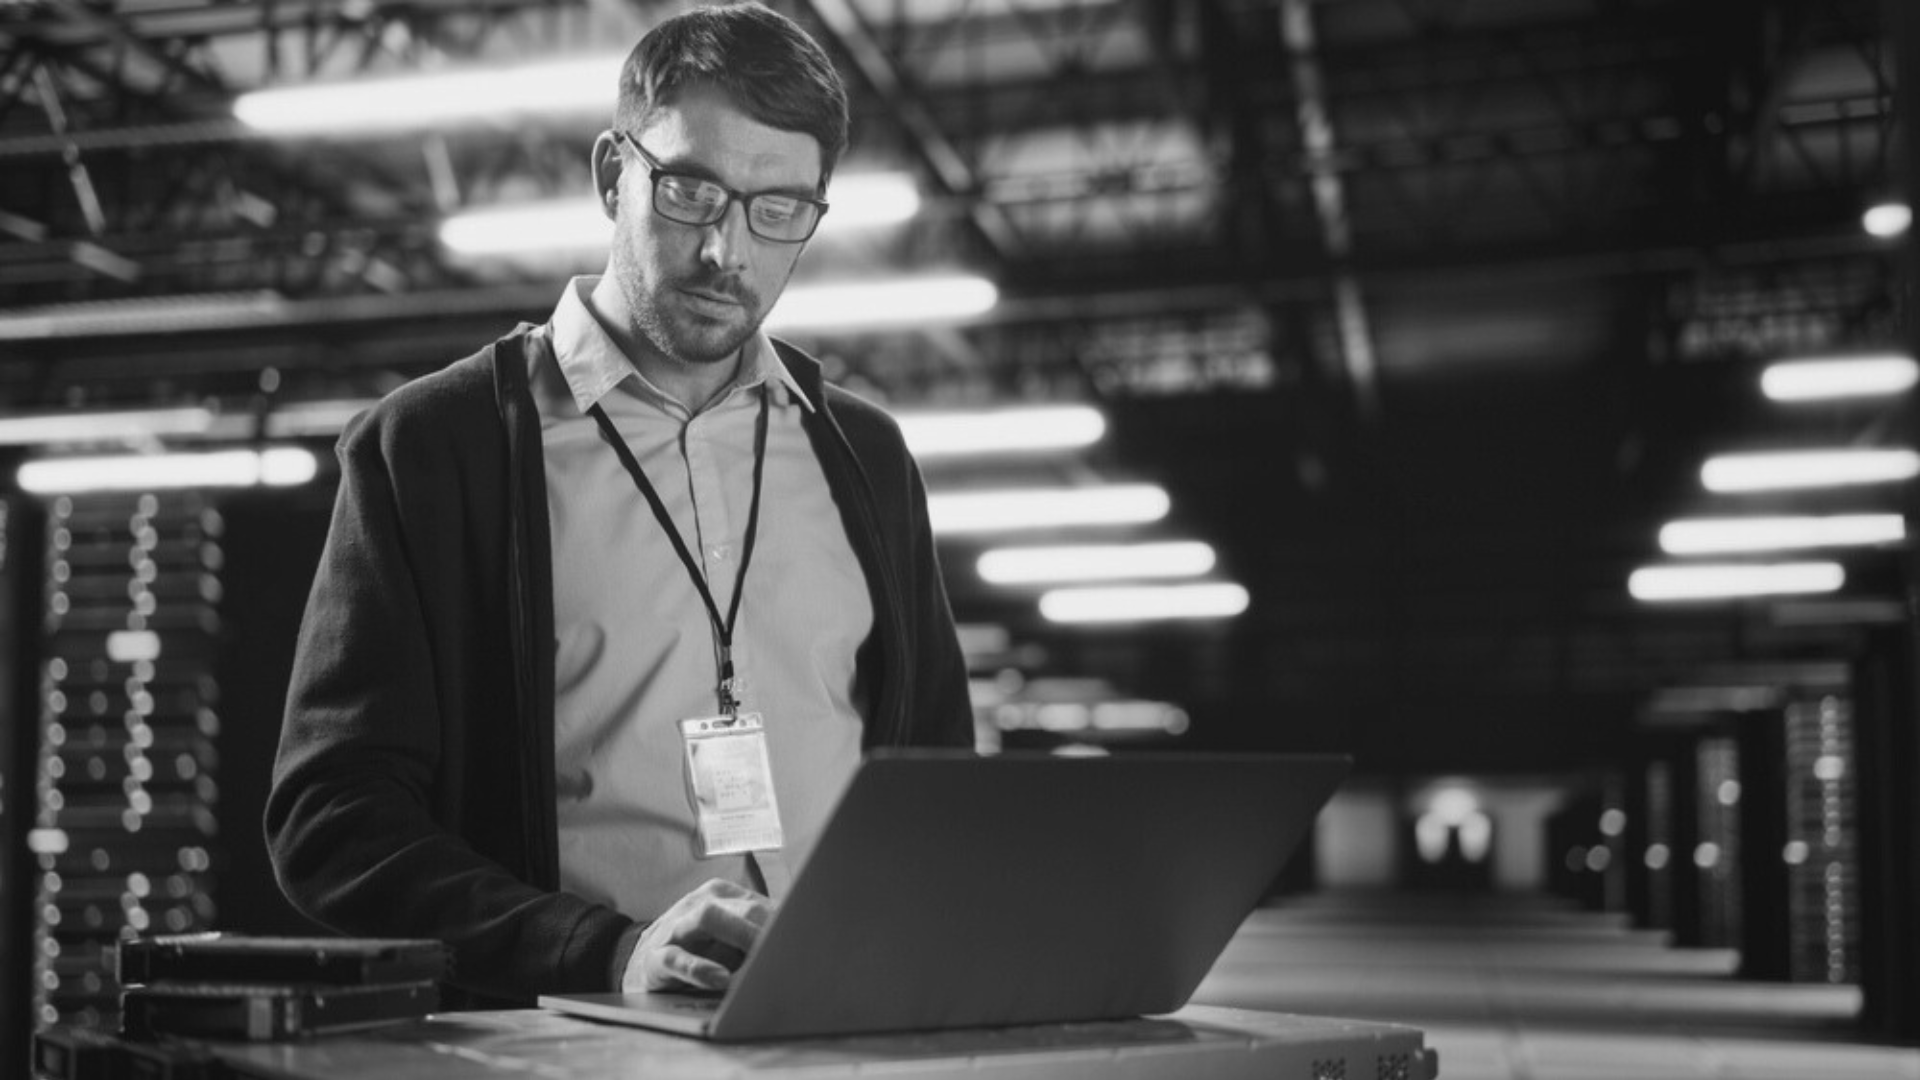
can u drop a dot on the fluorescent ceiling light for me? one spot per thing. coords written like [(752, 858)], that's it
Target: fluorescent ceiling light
[(1807, 469), (582, 85), (912, 302), (149, 315), (111, 426), (945, 11), (578, 224), (275, 467), (1728, 581), (1002, 431), (1839, 377), (302, 419), (869, 199), (1095, 562), (323, 417), (1047, 508), (1705, 536), (262, 309), (1887, 220), (1144, 603), (558, 225), (290, 420)]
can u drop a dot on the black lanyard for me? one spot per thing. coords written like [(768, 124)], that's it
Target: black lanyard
[(730, 688)]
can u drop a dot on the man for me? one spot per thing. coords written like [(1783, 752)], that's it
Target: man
[(609, 610)]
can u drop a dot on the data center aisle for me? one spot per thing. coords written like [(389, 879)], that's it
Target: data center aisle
[(1521, 988)]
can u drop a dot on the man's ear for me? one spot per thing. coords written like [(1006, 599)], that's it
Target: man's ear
[(607, 164)]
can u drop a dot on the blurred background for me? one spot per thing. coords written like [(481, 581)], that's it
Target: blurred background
[(1513, 394)]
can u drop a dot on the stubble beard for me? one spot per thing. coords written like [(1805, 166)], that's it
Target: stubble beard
[(683, 337)]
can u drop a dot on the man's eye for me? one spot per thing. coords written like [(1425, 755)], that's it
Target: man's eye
[(694, 193), (775, 211)]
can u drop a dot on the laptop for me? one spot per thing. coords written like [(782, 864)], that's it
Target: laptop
[(954, 891)]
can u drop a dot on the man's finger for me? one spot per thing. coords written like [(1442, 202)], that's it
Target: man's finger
[(756, 906), (725, 955), (674, 967), (723, 889), (758, 909), (727, 924), (701, 939)]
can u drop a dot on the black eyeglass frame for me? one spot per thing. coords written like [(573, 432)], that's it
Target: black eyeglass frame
[(656, 172)]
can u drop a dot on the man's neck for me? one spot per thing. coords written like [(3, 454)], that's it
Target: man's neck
[(693, 385)]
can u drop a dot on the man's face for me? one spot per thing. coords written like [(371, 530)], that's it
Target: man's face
[(697, 292)]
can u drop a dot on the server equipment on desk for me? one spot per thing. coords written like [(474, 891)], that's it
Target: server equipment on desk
[(266, 1012), (228, 986), (242, 958), (182, 988)]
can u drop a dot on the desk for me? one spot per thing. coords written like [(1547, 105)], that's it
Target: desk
[(1199, 1041)]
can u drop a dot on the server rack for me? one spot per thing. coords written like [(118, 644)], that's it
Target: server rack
[(124, 835), (20, 545), (1823, 868), (1716, 855), (1658, 854)]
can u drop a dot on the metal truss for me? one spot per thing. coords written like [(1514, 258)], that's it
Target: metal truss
[(1179, 143), (1573, 130), (128, 177), (1148, 152)]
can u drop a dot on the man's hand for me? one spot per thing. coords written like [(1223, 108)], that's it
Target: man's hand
[(700, 941)]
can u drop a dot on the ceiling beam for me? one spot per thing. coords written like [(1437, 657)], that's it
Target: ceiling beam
[(113, 31), (1227, 292), (951, 170), (234, 19), (1314, 114)]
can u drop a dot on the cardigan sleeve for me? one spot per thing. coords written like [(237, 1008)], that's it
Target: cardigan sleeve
[(942, 712), (939, 711), (358, 818)]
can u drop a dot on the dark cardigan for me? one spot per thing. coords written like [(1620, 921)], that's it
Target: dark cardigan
[(414, 791)]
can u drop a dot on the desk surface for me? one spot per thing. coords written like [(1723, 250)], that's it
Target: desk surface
[(1197, 1041)]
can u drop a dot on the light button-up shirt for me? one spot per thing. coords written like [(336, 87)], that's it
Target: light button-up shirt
[(635, 651)]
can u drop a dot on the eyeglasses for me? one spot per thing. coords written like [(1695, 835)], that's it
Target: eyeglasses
[(696, 200)]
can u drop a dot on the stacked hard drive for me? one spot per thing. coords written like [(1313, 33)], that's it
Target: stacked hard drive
[(184, 993), (222, 986)]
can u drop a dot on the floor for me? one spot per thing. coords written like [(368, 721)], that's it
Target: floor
[(1530, 988)]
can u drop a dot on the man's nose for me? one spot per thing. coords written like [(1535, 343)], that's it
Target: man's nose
[(723, 244)]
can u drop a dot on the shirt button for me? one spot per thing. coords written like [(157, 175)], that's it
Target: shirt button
[(722, 551)]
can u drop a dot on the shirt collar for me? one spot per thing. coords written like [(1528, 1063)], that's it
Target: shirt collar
[(594, 366)]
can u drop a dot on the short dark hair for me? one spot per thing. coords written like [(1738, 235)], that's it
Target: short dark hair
[(763, 60)]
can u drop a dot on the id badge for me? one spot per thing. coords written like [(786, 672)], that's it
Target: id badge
[(732, 785)]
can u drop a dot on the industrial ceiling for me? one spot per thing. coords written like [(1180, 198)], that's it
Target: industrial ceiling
[(1425, 311)]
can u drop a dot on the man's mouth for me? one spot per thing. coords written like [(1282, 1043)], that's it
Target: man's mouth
[(721, 291)]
